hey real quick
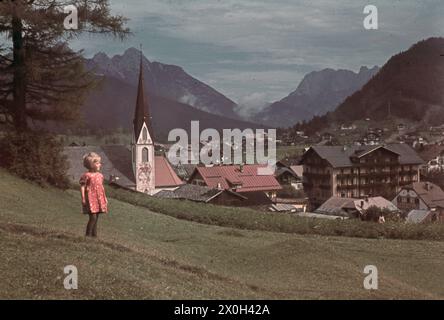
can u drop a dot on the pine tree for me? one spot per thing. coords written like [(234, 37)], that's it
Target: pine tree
[(41, 78)]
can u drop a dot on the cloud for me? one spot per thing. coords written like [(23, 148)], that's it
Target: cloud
[(251, 104), (189, 99)]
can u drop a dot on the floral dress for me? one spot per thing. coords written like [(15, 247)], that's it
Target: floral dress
[(95, 197)]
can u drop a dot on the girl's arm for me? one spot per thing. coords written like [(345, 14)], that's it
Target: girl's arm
[(82, 192), (82, 183), (103, 180)]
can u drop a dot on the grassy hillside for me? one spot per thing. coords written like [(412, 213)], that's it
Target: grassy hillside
[(142, 254)]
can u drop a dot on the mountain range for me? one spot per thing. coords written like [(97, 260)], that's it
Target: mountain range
[(111, 105), (409, 86), (318, 93), (174, 92), (164, 80)]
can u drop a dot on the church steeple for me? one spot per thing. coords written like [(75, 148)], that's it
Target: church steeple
[(142, 149), (142, 112)]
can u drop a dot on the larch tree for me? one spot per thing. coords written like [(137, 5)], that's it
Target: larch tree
[(41, 78)]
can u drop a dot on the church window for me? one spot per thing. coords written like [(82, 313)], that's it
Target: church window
[(144, 134), (145, 157)]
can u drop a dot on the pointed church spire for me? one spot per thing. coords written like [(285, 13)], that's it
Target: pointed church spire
[(142, 113)]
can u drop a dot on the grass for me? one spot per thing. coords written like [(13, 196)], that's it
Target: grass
[(144, 254), (245, 218)]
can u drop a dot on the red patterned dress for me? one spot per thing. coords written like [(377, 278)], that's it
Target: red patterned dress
[(95, 197)]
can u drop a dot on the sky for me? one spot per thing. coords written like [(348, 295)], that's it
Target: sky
[(256, 51)]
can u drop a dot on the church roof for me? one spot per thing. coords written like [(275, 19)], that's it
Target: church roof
[(165, 176), (142, 112), (117, 161)]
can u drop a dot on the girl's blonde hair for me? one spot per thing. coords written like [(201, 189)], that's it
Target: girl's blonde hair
[(89, 159)]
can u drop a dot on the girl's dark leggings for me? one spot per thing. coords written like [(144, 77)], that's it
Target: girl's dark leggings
[(91, 227)]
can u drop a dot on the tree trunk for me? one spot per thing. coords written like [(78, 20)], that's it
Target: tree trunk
[(19, 80)]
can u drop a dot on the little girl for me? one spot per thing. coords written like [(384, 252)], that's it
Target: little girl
[(94, 199)]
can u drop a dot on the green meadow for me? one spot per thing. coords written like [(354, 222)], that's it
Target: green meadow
[(144, 251)]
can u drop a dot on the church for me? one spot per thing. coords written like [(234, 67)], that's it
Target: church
[(136, 168)]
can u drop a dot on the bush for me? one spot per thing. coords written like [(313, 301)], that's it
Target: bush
[(35, 156), (373, 213), (250, 219)]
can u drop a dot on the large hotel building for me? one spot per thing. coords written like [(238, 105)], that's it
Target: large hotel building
[(358, 171)]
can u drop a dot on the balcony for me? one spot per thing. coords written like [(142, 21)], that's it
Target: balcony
[(407, 172), (379, 174), (346, 186), (373, 184), (346, 175), (378, 164)]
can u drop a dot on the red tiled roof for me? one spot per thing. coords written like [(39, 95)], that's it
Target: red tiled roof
[(230, 177), (164, 174)]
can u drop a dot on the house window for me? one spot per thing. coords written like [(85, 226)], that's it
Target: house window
[(145, 156)]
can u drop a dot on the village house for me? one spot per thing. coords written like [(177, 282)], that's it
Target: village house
[(259, 189), (337, 206), (290, 204), (358, 171), (349, 127), (206, 195), (354, 208), (371, 139), (401, 127), (327, 136), (437, 131), (290, 175), (433, 155), (419, 142), (420, 216), (424, 196)]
